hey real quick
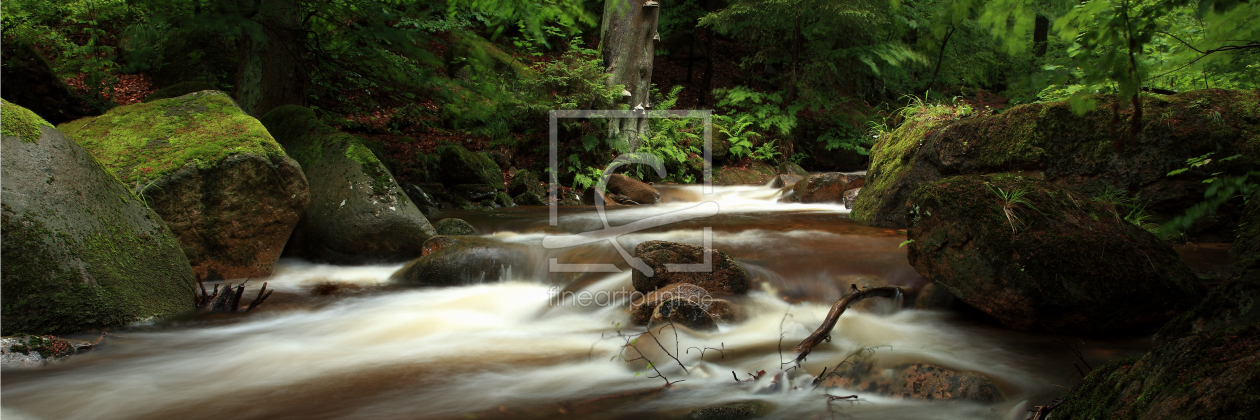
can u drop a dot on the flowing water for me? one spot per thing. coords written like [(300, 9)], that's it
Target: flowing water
[(342, 342)]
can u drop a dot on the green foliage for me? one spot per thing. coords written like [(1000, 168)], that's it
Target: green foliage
[(75, 35), (1009, 200), (737, 133), (1221, 189), (676, 141)]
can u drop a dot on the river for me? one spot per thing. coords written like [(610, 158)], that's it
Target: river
[(342, 342)]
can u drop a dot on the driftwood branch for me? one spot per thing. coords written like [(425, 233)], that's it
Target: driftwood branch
[(228, 299), (823, 333)]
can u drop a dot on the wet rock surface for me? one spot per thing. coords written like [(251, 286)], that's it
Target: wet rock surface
[(1049, 261), (725, 275)]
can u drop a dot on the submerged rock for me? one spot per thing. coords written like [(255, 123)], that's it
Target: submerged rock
[(80, 250), (641, 309), (919, 381), (35, 351), (1043, 258), (826, 188), (450, 261), (215, 175), (725, 275), (453, 226), (732, 411), (1088, 154), (685, 312), (358, 213)]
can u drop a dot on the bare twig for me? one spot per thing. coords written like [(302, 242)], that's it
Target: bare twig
[(823, 333)]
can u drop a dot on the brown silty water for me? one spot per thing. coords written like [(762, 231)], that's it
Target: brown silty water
[(342, 342)]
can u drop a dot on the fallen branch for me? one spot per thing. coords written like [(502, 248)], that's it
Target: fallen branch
[(823, 333)]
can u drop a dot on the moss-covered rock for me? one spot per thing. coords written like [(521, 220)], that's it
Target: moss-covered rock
[(215, 175), (20, 122), (80, 250), (177, 90), (1206, 365), (460, 166), (756, 173), (732, 411), (528, 198), (527, 181), (1040, 257), (450, 261), (1087, 153), (358, 213), (725, 275), (453, 226)]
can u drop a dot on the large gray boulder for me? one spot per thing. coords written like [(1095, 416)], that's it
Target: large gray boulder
[(80, 250), (215, 175), (358, 213)]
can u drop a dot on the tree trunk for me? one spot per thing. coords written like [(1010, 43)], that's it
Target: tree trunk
[(628, 45), (1041, 34), (270, 71)]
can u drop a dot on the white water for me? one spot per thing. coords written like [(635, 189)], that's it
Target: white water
[(503, 348)]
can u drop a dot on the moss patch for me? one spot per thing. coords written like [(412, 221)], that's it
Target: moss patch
[(178, 90), (20, 122), (1088, 153), (142, 142)]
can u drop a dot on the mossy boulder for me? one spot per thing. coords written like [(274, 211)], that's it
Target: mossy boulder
[(215, 175), (1044, 258), (755, 173), (527, 181), (453, 226), (80, 250), (1205, 365), (461, 166), (1087, 153), (177, 90), (21, 123), (26, 79), (451, 261), (724, 275), (358, 213)]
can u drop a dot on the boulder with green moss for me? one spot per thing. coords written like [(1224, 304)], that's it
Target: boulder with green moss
[(358, 213), (1040, 257), (219, 180), (755, 173), (178, 89), (1088, 153), (1205, 365), (80, 250), (460, 166)]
